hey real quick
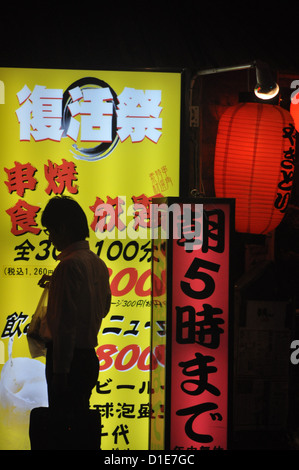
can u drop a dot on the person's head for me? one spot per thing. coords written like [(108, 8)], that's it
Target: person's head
[(65, 221)]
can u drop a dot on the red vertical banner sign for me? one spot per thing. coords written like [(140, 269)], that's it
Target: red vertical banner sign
[(198, 336)]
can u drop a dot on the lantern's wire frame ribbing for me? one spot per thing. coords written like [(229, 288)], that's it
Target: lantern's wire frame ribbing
[(198, 189)]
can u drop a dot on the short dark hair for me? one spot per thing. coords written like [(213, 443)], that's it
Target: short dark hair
[(63, 211)]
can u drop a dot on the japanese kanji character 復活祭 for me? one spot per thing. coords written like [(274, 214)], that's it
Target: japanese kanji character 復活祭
[(20, 178), (61, 177)]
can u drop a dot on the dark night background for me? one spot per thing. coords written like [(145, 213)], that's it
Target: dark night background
[(190, 34)]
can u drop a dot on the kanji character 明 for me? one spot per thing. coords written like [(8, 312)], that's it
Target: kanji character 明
[(40, 113), (138, 114), (96, 112), (213, 231), (61, 177), (20, 178), (23, 218), (23, 250), (142, 211)]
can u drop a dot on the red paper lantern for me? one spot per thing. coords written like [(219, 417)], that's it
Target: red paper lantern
[(254, 163)]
